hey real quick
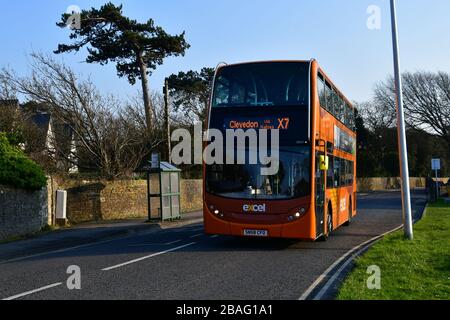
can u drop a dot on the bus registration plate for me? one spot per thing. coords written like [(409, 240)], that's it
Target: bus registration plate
[(256, 233)]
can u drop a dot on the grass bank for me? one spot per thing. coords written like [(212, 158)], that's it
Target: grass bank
[(410, 270)]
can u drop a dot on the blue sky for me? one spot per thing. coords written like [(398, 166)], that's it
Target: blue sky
[(332, 31)]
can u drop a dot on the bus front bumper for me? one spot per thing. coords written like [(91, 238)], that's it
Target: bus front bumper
[(299, 229)]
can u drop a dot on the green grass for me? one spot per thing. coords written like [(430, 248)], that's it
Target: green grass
[(410, 270)]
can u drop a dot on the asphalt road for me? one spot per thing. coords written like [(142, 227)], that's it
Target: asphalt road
[(183, 263)]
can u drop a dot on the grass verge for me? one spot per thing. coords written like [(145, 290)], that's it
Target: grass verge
[(410, 270)]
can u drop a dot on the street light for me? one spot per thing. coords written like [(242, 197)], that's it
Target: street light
[(403, 152)]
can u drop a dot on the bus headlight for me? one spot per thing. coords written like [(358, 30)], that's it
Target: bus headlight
[(214, 210), (297, 215)]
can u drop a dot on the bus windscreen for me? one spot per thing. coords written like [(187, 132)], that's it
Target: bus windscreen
[(244, 181)]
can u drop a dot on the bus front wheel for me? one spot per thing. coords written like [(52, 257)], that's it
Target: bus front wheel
[(329, 224), (350, 213)]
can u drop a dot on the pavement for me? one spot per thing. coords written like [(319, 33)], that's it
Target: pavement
[(181, 262)]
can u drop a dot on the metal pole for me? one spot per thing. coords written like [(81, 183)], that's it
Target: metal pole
[(437, 185), (149, 200), (167, 121), (403, 152)]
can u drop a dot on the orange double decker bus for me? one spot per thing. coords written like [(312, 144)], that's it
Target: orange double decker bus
[(314, 190)]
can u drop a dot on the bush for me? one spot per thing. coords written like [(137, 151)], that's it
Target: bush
[(16, 170)]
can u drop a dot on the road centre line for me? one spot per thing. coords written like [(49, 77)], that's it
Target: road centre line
[(173, 242), (62, 250), (147, 257), (20, 295), (196, 235), (59, 250), (147, 245)]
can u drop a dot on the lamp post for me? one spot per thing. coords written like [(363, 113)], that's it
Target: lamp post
[(403, 152)]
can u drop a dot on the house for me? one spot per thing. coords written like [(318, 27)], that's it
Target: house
[(47, 136)]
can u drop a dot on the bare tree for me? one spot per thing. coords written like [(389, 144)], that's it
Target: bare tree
[(427, 101), (6, 91), (10, 117), (376, 116), (108, 136)]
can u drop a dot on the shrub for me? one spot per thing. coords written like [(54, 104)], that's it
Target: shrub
[(16, 170)]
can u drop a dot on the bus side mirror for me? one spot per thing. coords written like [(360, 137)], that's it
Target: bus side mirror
[(324, 163)]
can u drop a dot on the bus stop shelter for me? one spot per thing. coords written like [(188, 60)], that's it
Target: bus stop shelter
[(163, 192)]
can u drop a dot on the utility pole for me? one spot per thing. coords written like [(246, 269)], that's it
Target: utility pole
[(403, 152), (167, 121)]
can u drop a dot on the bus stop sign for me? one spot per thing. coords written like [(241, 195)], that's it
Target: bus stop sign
[(155, 161), (435, 164)]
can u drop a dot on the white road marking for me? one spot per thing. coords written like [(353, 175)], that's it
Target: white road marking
[(173, 242), (84, 245), (360, 248), (348, 255), (181, 225), (196, 235), (147, 244), (147, 257), (58, 251), (214, 236), (20, 295)]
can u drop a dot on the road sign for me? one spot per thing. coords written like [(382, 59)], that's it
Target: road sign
[(435, 164), (155, 160)]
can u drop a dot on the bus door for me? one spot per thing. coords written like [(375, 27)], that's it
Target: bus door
[(320, 177)]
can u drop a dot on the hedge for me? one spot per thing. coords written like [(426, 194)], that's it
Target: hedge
[(16, 170)]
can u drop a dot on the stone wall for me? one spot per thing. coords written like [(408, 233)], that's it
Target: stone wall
[(381, 184), (191, 195), (120, 199), (22, 212), (107, 201)]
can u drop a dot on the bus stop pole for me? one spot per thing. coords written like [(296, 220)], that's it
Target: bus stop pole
[(149, 200), (437, 184), (403, 152)]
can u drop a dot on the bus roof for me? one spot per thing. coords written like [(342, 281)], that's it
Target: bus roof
[(223, 65), (262, 61)]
